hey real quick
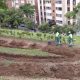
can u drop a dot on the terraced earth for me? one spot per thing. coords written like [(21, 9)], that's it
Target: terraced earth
[(63, 63)]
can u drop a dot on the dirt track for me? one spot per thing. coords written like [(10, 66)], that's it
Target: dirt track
[(65, 67)]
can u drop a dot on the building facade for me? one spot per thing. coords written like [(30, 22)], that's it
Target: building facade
[(62, 7), (43, 9), (46, 10)]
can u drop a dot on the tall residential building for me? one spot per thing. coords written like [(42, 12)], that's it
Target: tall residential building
[(45, 10), (62, 7)]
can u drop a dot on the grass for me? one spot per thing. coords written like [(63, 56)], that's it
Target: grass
[(26, 52), (33, 35), (2, 78), (77, 41), (6, 62), (6, 32)]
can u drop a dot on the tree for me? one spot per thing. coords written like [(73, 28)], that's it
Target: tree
[(28, 9), (72, 14), (29, 23), (75, 14), (13, 18), (3, 4)]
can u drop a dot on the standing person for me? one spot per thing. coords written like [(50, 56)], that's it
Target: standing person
[(70, 39), (63, 38), (58, 38)]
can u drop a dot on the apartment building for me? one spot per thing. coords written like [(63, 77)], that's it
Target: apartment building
[(18, 3), (45, 10), (62, 7)]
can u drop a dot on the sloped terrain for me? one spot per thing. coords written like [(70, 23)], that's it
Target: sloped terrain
[(65, 67)]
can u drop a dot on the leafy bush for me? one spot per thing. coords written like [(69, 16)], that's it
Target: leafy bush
[(44, 28), (64, 29)]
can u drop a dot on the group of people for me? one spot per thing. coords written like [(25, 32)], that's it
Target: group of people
[(61, 37)]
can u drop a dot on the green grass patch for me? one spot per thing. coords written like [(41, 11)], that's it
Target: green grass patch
[(2, 78), (34, 36), (26, 52), (26, 35), (77, 39), (6, 62)]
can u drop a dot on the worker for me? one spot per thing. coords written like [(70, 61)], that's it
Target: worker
[(58, 38), (70, 39)]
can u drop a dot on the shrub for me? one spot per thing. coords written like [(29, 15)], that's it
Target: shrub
[(44, 28)]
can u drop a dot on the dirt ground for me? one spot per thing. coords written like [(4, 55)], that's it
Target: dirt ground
[(66, 67)]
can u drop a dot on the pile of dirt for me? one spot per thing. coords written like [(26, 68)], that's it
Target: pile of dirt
[(60, 50), (35, 46), (17, 44), (2, 42)]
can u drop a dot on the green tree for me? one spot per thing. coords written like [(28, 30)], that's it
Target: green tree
[(13, 18), (28, 9), (29, 23), (75, 14), (3, 4), (72, 14)]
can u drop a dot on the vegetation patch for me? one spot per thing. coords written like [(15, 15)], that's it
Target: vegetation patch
[(26, 52), (33, 35)]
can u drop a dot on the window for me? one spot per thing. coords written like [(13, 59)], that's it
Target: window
[(74, 2), (40, 1), (59, 15), (58, 21), (48, 7), (68, 2), (68, 22), (48, 1), (58, 1), (41, 13), (59, 8), (48, 14), (68, 9)]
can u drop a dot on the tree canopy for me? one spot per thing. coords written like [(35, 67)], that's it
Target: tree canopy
[(28, 9), (3, 4), (72, 14)]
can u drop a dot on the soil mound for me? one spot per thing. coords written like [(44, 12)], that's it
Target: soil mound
[(17, 44), (35, 46), (60, 50), (2, 42)]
